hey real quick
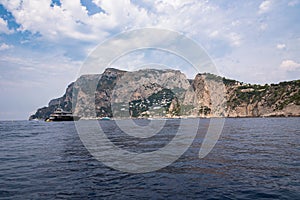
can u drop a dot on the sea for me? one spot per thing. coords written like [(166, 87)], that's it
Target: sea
[(254, 158)]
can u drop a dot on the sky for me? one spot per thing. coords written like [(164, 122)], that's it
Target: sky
[(43, 43)]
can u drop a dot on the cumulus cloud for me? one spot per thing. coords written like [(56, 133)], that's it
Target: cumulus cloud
[(289, 65), (3, 27), (218, 27), (280, 46), (264, 6), (71, 20), (4, 46)]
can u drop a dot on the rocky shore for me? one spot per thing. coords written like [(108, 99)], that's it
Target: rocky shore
[(152, 93)]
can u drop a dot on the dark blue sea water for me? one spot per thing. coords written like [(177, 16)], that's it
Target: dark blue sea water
[(253, 159)]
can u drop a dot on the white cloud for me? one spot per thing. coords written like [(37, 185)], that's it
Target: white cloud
[(219, 28), (3, 27), (293, 3), (214, 34), (265, 6), (280, 46), (235, 39), (289, 65), (263, 26), (236, 23), (71, 19), (47, 64), (4, 46), (51, 22)]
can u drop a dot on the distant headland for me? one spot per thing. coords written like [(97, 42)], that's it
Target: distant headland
[(152, 93)]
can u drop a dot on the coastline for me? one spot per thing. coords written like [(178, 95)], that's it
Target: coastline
[(191, 117), (156, 118)]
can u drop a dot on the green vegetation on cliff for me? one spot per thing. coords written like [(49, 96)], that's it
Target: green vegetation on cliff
[(175, 96), (277, 96)]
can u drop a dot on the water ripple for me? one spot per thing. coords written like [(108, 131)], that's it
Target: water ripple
[(254, 159)]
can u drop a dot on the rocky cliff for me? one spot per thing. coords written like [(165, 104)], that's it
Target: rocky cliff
[(168, 93)]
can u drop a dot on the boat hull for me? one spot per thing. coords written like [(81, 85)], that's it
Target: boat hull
[(62, 118), (105, 118), (60, 115)]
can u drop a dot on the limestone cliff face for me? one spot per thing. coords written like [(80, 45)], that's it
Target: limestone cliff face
[(93, 93), (148, 93), (209, 96), (149, 81), (168, 93)]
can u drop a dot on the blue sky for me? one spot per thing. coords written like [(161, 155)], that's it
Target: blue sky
[(43, 43)]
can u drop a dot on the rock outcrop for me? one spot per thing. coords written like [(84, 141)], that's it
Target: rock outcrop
[(281, 99), (168, 93)]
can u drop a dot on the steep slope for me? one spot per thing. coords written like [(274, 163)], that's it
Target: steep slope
[(168, 93)]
